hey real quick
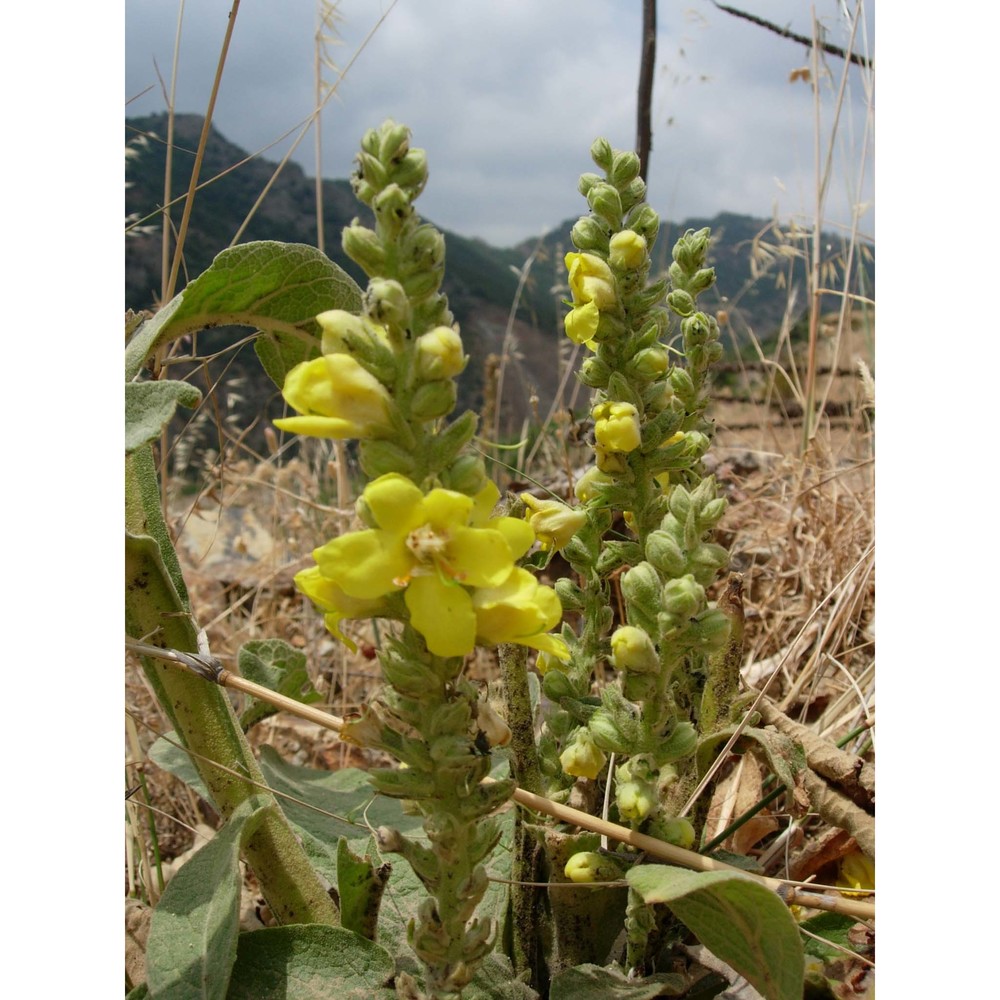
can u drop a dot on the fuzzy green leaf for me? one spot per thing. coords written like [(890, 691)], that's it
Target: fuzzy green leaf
[(495, 980), (276, 288), (592, 982), (274, 664), (175, 760), (192, 936), (360, 885), (739, 920), (149, 407), (310, 962)]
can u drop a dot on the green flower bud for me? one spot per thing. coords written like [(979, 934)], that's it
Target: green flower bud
[(683, 597), (665, 554), (633, 193), (690, 250), (364, 247), (386, 302), (635, 800), (624, 168), (681, 302), (682, 384), (393, 141), (380, 457), (678, 832), (420, 284), (434, 399), (589, 866), (657, 397), (650, 363), (641, 587), (439, 354), (696, 329), (611, 463), (711, 631), (588, 486), (582, 758), (556, 685), (594, 373), (606, 202), (632, 649), (702, 279), (371, 171), (606, 732), (392, 208), (570, 595), (590, 235), (411, 173), (706, 561), (602, 154), (466, 474), (644, 221), (712, 512), (587, 181)]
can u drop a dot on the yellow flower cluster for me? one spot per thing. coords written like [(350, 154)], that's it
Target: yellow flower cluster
[(593, 288), (453, 559)]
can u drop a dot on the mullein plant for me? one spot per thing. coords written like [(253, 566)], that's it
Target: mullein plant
[(673, 666), (432, 555)]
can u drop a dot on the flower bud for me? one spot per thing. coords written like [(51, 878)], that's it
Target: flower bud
[(587, 487), (419, 284), (641, 586), (379, 458), (545, 661), (696, 329), (683, 597), (393, 141), (593, 372), (587, 181), (570, 595), (681, 302), (556, 685), (702, 279), (678, 832), (627, 249), (617, 426), (711, 630), (466, 474), (602, 154), (434, 399), (632, 649), (439, 354), (364, 247), (611, 463), (665, 554), (589, 866), (590, 234), (690, 250), (635, 800), (553, 522), (606, 202), (644, 220), (392, 208), (386, 302), (681, 383), (582, 758), (411, 172), (624, 168), (650, 363)]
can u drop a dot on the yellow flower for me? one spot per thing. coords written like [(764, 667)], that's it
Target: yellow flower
[(635, 799), (628, 249), (581, 324), (553, 522), (336, 398), (582, 758), (432, 546), (520, 610), (857, 871), (589, 866), (632, 649), (591, 280), (340, 328), (584, 486), (334, 603), (439, 353), (616, 426)]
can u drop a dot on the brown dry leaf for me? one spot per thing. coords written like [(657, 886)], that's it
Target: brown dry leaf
[(748, 793), (137, 918), (818, 852)]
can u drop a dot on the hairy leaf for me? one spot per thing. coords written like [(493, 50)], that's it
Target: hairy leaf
[(310, 962), (149, 407), (592, 982), (279, 667), (192, 936), (739, 920)]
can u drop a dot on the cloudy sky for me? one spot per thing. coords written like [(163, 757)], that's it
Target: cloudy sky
[(507, 98)]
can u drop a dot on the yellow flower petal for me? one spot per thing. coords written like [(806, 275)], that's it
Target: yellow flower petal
[(367, 563), (442, 613), (395, 502), (581, 323), (479, 557)]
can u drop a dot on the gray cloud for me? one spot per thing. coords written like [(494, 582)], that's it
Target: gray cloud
[(507, 99)]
